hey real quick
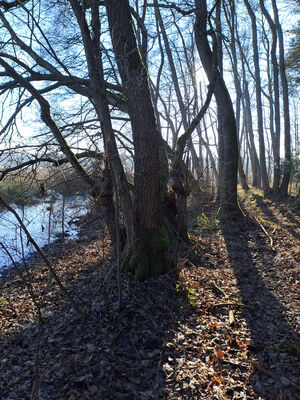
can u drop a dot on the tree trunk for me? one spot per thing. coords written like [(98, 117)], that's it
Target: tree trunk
[(270, 97), (262, 151), (228, 177), (286, 107), (179, 178), (276, 139), (230, 17), (219, 65), (100, 101), (209, 155), (151, 238)]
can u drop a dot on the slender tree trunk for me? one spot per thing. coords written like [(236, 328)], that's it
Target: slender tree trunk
[(100, 101), (237, 83), (219, 61), (262, 151), (179, 177), (276, 141), (286, 107), (247, 121), (205, 142), (270, 97)]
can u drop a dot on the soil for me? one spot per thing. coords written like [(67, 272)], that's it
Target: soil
[(224, 325)]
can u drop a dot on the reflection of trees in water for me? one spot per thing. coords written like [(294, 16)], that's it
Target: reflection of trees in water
[(58, 212)]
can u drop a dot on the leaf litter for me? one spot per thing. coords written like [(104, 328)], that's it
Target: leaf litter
[(224, 326)]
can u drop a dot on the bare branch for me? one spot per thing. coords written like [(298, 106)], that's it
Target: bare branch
[(174, 7), (13, 4), (57, 163)]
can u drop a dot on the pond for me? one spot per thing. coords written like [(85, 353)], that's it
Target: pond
[(47, 221)]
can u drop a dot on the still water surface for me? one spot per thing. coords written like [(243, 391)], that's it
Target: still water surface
[(45, 221)]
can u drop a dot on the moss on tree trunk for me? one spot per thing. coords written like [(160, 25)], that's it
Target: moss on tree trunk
[(148, 256)]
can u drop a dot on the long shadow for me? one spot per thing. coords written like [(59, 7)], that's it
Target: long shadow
[(271, 334), (107, 353), (137, 352), (265, 208), (292, 218)]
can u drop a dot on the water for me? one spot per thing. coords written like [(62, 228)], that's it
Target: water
[(61, 214)]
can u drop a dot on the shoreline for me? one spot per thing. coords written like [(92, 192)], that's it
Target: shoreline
[(85, 229)]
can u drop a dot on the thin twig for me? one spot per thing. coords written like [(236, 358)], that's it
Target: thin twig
[(228, 304), (265, 232), (220, 290)]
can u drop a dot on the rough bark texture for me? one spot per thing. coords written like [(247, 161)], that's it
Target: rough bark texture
[(151, 239), (228, 177)]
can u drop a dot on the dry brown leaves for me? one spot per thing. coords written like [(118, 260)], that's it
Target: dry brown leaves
[(225, 328)]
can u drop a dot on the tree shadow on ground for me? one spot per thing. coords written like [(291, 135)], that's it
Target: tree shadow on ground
[(272, 335), (283, 208), (105, 353), (157, 346)]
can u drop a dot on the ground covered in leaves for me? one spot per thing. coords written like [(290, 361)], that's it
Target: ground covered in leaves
[(224, 326)]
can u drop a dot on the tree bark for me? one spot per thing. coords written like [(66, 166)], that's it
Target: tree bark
[(276, 139), (262, 151), (286, 107), (230, 17), (228, 178), (151, 238), (98, 87), (179, 178)]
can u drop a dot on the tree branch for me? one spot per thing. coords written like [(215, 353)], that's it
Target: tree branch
[(88, 153), (8, 6), (174, 7)]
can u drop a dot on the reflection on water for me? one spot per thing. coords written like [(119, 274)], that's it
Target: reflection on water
[(61, 213)]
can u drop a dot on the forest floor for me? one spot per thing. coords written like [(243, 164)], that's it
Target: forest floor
[(223, 327)]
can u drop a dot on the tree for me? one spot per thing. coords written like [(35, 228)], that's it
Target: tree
[(231, 22), (262, 155), (275, 85), (89, 88), (293, 59), (151, 237), (228, 175), (126, 101), (286, 108)]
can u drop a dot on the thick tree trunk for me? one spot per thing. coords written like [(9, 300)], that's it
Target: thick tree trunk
[(228, 177), (151, 238)]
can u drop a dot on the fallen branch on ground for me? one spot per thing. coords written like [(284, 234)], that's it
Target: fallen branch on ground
[(265, 232)]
